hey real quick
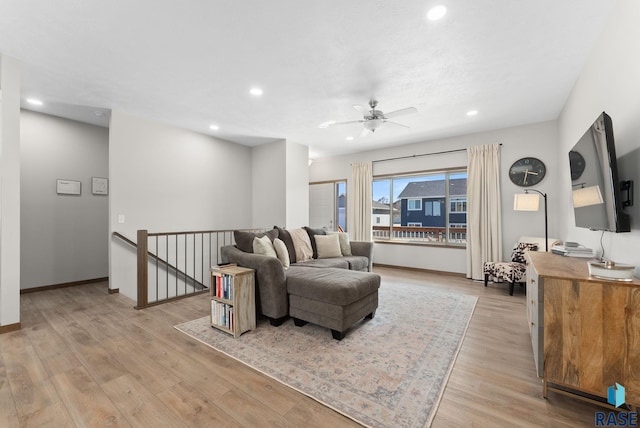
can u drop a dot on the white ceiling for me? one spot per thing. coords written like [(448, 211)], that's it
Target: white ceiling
[(192, 63)]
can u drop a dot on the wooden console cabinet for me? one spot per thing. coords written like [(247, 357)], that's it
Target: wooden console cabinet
[(585, 331)]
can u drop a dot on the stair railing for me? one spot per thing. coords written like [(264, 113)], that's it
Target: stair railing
[(175, 265)]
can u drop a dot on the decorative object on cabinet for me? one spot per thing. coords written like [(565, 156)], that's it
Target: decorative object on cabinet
[(531, 202), (527, 172)]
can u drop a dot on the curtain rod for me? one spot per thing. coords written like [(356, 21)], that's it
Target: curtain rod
[(423, 154)]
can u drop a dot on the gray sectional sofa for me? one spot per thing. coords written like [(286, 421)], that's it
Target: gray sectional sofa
[(272, 293)]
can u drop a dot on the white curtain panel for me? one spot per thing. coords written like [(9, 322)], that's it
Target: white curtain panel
[(360, 196), (484, 221)]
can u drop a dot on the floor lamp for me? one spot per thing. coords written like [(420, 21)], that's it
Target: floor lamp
[(531, 202)]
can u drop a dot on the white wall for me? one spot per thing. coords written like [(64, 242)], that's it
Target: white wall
[(9, 191), (280, 185), (63, 238), (167, 179), (297, 185), (269, 176), (608, 82), (538, 140)]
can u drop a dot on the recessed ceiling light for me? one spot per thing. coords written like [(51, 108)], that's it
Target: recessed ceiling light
[(326, 124), (99, 113), (214, 127), (349, 138), (436, 12), (472, 112), (34, 102), (256, 92)]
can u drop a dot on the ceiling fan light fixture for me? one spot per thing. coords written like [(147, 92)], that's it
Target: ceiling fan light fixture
[(373, 124)]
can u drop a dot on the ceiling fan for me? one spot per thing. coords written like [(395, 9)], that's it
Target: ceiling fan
[(374, 119)]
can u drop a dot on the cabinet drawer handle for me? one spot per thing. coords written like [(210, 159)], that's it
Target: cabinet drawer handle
[(532, 323)]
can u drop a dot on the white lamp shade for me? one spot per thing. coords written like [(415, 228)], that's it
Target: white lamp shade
[(587, 196), (373, 124), (526, 202)]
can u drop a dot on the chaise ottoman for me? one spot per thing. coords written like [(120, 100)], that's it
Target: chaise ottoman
[(331, 297)]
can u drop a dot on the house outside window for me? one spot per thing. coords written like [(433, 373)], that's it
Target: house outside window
[(422, 208)]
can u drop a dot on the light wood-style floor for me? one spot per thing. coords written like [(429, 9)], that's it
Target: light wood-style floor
[(87, 358)]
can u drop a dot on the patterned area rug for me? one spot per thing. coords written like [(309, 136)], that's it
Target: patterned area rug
[(387, 372)]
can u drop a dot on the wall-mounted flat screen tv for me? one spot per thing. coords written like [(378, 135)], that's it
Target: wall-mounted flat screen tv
[(596, 189)]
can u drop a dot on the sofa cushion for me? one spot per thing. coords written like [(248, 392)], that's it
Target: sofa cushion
[(336, 262), (333, 286), (360, 263), (312, 233), (281, 252), (345, 245), (264, 246), (244, 240), (285, 236), (301, 245), (328, 246)]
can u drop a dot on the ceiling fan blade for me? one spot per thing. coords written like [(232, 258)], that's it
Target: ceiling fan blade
[(364, 133), (396, 123), (346, 123), (363, 110), (400, 112)]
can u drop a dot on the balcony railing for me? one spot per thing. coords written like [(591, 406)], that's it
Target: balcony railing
[(457, 235)]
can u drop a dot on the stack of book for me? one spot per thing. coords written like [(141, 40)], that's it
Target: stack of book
[(573, 251)]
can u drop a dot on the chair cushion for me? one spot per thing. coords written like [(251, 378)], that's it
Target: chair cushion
[(511, 272), (519, 250)]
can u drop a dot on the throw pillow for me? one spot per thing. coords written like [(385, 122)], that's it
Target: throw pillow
[(328, 246), (281, 252), (519, 249), (345, 244), (285, 236), (312, 233), (264, 246), (244, 240), (301, 244)]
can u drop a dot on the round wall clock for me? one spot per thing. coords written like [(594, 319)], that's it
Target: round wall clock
[(527, 172), (576, 164)]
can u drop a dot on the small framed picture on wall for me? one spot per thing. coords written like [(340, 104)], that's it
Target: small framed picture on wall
[(99, 186)]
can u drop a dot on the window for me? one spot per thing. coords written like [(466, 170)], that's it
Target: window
[(432, 209), (458, 205), (422, 208), (414, 204)]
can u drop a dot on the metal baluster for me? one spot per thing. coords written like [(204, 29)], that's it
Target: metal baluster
[(157, 268)]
